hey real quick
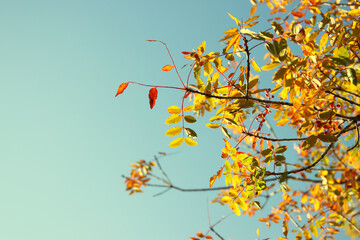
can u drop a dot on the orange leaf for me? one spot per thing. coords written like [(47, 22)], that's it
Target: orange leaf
[(297, 14), (167, 68), (122, 88), (152, 97), (200, 234)]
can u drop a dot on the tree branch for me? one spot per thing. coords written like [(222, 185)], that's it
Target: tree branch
[(245, 98)]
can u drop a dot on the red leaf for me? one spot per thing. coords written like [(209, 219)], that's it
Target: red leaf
[(121, 88), (186, 53), (167, 68), (152, 97), (297, 14)]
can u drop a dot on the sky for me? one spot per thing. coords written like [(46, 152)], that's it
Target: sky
[(66, 140)]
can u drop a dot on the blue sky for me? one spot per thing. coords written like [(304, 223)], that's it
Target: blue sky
[(66, 141)]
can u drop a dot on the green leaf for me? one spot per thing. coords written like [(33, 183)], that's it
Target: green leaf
[(343, 52), (190, 119), (257, 204), (190, 133), (281, 149), (266, 152), (280, 158), (283, 177), (327, 137), (309, 142), (173, 131), (277, 27), (225, 132), (280, 73), (325, 115), (351, 73)]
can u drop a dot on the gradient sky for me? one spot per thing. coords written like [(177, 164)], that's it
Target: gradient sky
[(66, 141)]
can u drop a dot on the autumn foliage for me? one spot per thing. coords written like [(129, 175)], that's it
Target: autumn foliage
[(311, 49)]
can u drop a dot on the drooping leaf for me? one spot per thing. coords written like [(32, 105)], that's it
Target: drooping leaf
[(235, 208), (152, 97), (285, 228), (190, 142), (173, 131), (121, 88), (177, 142), (255, 66), (167, 68), (225, 132)]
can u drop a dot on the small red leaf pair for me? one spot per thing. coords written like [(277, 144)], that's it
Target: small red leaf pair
[(152, 97), (122, 88)]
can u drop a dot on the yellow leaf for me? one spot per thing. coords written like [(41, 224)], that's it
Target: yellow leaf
[(242, 203), (190, 142), (253, 10), (255, 66), (226, 199), (235, 208), (270, 66), (316, 205), (201, 48), (257, 232), (304, 199), (173, 119), (324, 39), (307, 234), (175, 143), (234, 18), (208, 69), (174, 110), (189, 108), (354, 12), (173, 131), (212, 125), (314, 230), (282, 122)]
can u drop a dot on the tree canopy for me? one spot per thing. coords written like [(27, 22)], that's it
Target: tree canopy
[(311, 48)]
